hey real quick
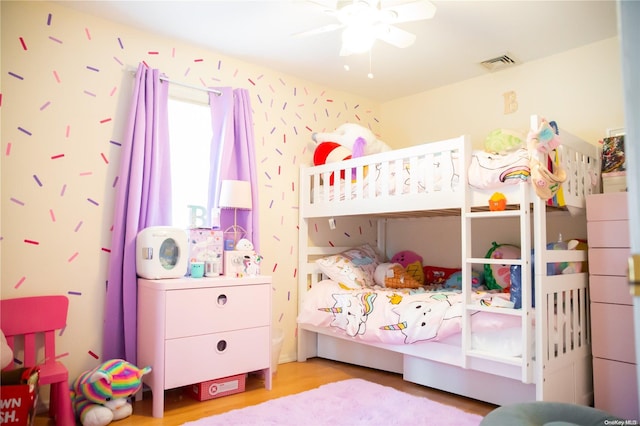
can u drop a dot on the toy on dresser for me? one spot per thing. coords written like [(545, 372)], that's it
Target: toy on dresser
[(243, 261)]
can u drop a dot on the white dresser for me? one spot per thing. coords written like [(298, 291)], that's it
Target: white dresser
[(192, 330), (612, 328)]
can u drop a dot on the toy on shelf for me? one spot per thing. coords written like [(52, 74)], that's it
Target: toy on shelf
[(101, 395), (497, 202)]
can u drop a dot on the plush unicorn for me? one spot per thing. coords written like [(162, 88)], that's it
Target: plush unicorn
[(101, 395)]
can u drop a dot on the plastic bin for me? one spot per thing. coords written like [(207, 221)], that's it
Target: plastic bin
[(19, 396), (277, 338)]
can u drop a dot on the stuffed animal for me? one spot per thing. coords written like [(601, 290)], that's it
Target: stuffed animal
[(503, 141), (101, 395), (545, 138), (498, 276), (5, 351), (393, 275), (358, 140), (411, 262)]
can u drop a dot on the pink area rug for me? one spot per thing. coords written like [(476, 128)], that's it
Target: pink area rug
[(349, 402)]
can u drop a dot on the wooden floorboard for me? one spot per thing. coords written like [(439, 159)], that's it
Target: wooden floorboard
[(290, 378)]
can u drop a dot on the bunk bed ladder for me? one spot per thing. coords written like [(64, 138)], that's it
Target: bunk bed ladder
[(523, 214)]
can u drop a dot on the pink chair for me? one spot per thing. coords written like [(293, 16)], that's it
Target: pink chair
[(23, 319)]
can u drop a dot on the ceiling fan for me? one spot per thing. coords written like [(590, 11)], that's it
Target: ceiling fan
[(365, 21)]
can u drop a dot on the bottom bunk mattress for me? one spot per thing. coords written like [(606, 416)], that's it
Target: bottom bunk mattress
[(401, 316)]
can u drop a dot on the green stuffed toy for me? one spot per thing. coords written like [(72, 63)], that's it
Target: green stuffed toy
[(503, 141), (101, 395)]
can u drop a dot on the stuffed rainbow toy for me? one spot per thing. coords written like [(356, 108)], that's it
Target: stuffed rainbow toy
[(101, 395)]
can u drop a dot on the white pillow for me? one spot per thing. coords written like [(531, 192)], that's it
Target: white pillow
[(353, 268)]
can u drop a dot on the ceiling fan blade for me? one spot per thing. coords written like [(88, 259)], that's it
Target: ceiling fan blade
[(395, 36), (330, 5), (320, 30), (407, 12)]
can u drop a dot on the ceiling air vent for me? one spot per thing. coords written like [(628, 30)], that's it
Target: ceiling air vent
[(500, 62)]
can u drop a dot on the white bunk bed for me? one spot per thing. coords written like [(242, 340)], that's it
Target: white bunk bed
[(555, 355)]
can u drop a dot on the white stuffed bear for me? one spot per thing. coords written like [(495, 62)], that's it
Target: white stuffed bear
[(348, 133), (5, 351)]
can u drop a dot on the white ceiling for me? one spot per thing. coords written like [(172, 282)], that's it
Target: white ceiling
[(448, 48)]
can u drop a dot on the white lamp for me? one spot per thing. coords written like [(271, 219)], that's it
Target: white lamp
[(235, 194)]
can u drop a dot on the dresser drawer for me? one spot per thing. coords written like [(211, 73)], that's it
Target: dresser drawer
[(200, 358), (610, 206), (610, 289), (616, 388), (609, 233), (192, 312), (611, 261), (612, 332)]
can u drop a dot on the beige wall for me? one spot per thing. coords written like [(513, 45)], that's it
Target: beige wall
[(73, 114), (581, 89), (54, 240)]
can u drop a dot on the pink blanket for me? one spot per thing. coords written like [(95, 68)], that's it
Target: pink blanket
[(395, 316)]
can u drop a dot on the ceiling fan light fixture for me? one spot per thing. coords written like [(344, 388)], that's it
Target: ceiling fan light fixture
[(358, 38)]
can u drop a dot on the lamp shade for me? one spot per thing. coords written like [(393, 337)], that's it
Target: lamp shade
[(235, 194)]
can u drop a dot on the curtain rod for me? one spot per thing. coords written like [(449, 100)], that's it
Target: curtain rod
[(190, 86)]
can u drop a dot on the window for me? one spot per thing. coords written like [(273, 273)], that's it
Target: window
[(189, 140)]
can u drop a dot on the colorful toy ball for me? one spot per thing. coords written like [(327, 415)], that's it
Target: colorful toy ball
[(497, 202)]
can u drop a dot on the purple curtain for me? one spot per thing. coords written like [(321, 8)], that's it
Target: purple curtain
[(142, 200), (233, 155)]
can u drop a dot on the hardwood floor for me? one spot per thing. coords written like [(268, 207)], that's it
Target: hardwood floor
[(291, 378)]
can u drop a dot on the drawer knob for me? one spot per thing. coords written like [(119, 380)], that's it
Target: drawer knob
[(222, 299), (221, 346), (634, 274)]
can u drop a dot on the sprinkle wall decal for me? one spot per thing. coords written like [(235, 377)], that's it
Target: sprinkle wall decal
[(19, 283), (285, 112)]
